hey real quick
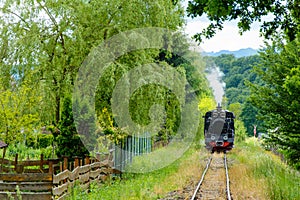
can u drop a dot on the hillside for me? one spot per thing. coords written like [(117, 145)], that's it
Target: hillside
[(238, 53)]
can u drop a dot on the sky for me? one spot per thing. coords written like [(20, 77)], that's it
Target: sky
[(226, 39)]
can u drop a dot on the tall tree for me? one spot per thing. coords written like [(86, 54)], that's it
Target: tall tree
[(52, 38), (68, 140), (277, 99)]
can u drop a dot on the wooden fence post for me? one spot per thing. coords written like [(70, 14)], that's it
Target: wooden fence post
[(50, 161), (42, 163), (87, 160), (65, 163), (76, 162), (16, 161)]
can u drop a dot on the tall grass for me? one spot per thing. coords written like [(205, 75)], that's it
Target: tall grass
[(263, 175)]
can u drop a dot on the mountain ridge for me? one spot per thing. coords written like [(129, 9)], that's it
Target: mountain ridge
[(237, 53)]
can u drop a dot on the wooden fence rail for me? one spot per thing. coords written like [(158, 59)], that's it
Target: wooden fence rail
[(37, 186), (52, 178), (81, 175), (28, 166)]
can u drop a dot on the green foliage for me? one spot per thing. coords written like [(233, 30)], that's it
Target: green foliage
[(280, 180), (68, 141), (18, 116), (44, 140), (277, 100), (236, 108), (144, 98), (240, 131), (43, 45), (25, 152), (50, 39), (206, 104), (285, 16), (236, 72), (39, 140), (249, 117)]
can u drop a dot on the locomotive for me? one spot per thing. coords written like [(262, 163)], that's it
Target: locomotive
[(219, 130)]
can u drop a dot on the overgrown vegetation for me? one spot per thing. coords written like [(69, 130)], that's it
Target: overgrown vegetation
[(259, 174), (277, 99)]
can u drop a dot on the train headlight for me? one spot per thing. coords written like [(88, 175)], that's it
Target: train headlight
[(225, 137), (212, 137)]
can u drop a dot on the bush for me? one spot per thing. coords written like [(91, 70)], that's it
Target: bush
[(44, 140), (39, 141)]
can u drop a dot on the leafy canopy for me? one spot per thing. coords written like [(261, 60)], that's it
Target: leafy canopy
[(285, 15), (277, 99)]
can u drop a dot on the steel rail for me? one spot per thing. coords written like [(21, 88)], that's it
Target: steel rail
[(227, 178), (202, 178)]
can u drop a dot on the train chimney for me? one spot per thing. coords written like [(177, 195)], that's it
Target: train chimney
[(219, 107)]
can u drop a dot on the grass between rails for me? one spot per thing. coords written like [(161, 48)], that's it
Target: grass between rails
[(259, 174), (151, 185)]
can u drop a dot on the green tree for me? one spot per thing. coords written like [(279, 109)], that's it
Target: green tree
[(18, 116), (46, 42), (249, 117), (52, 38), (285, 14), (206, 104), (236, 108), (277, 100), (240, 131), (68, 140)]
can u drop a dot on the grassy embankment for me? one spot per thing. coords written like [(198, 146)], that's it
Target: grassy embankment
[(259, 174), (254, 172)]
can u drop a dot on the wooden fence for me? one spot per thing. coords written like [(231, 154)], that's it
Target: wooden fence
[(84, 173), (27, 166), (52, 178), (33, 177), (46, 179)]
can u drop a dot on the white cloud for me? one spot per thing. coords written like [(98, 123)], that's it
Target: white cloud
[(227, 39)]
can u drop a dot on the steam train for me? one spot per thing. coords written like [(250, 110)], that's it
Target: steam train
[(219, 130)]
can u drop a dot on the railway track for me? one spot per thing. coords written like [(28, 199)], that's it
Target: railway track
[(214, 183)]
